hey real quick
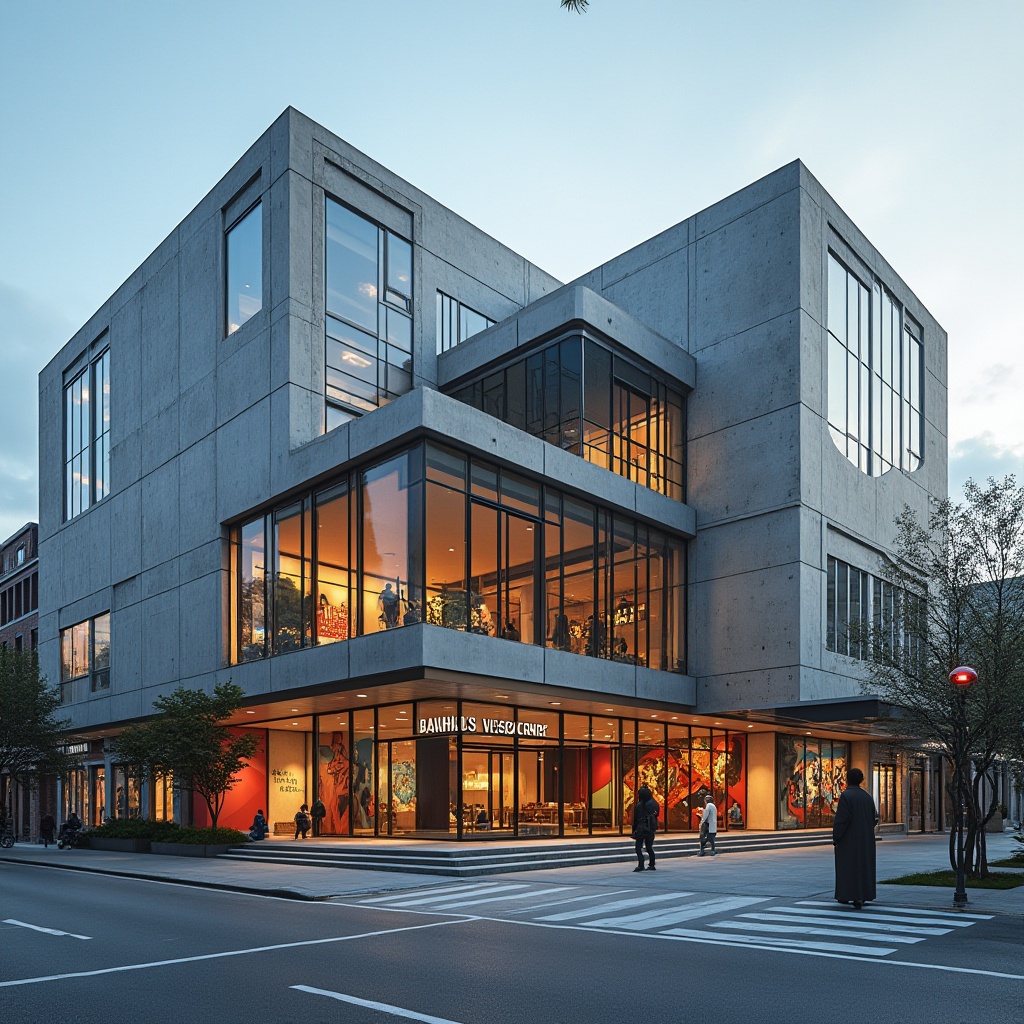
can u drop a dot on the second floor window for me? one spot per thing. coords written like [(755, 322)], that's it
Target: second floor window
[(87, 437), (369, 315), (456, 322), (85, 651)]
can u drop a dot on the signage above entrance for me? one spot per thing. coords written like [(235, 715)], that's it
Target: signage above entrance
[(480, 726)]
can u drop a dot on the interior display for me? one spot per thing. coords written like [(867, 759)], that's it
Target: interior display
[(811, 774)]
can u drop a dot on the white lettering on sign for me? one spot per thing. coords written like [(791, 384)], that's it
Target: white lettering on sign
[(76, 748), (487, 726)]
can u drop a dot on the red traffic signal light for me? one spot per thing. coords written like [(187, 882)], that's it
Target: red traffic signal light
[(963, 676)]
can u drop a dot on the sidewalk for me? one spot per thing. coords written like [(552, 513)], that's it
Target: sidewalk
[(797, 873)]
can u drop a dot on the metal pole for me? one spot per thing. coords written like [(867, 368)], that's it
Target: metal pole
[(960, 895)]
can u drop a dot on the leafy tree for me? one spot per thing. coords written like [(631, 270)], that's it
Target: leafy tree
[(579, 6), (967, 562), (32, 738), (189, 740)]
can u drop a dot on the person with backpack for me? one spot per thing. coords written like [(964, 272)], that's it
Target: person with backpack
[(302, 821), (708, 825), (645, 825)]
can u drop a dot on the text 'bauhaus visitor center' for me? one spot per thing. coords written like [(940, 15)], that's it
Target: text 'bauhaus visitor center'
[(486, 551)]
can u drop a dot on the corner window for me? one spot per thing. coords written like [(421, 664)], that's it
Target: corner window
[(456, 322), (85, 651), (368, 298), (244, 291), (875, 375), (87, 437)]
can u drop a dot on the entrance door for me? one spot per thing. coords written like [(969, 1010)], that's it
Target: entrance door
[(885, 793), (916, 819)]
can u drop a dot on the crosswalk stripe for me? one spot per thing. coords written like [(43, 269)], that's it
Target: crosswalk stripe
[(869, 926), (763, 940), (493, 899), (754, 926), (423, 901), (689, 912), (572, 915), (861, 915), (952, 915), (406, 893), (572, 899)]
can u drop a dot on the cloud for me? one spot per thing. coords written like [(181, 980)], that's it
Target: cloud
[(30, 333), (981, 457)]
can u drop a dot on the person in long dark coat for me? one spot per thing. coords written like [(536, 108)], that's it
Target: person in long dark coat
[(853, 836)]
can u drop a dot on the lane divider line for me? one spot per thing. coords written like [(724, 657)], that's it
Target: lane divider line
[(395, 1011), (47, 931)]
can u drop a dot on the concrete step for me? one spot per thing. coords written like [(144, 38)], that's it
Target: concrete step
[(464, 860)]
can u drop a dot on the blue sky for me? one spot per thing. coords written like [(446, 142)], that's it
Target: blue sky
[(569, 138)]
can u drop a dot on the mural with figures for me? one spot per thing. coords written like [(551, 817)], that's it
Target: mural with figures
[(811, 775), (682, 774)]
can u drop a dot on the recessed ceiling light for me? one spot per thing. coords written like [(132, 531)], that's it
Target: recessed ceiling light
[(360, 694), (675, 718), (557, 703), (654, 716), (250, 712), (718, 723), (295, 709), (609, 709), (295, 723), (750, 727), (503, 696)]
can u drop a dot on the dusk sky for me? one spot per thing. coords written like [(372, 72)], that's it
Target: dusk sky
[(569, 138)]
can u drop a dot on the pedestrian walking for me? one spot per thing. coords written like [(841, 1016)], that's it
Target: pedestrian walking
[(853, 836), (46, 828), (708, 826), (645, 825), (318, 812), (302, 821)]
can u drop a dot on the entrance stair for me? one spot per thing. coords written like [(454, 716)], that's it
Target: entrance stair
[(462, 860)]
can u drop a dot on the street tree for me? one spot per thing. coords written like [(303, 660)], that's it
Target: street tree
[(32, 737), (579, 6), (189, 741), (958, 599)]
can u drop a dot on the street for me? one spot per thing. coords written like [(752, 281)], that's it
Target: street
[(502, 949)]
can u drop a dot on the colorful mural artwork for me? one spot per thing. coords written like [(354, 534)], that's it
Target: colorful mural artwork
[(246, 795), (811, 776), (335, 770), (680, 776)]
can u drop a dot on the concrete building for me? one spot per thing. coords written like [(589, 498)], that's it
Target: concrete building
[(487, 551)]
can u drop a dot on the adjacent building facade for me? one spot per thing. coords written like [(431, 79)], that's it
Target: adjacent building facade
[(487, 551)]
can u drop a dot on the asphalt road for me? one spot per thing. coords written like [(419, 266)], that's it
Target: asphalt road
[(497, 950)]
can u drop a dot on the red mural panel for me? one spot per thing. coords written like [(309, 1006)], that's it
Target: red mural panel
[(247, 795), (735, 810), (335, 769)]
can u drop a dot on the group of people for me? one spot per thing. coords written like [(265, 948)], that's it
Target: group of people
[(305, 819), (853, 837)]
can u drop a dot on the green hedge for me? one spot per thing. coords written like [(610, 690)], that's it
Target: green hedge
[(200, 836), (136, 828)]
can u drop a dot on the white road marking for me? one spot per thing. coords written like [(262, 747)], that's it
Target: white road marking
[(834, 947), (494, 899), (231, 952), (572, 915), (47, 931), (952, 915), (395, 1011), (871, 926), (479, 891), (406, 893), (572, 899), (859, 916), (753, 926), (691, 911)]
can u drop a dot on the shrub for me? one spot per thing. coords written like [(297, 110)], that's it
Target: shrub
[(212, 836), (135, 828)]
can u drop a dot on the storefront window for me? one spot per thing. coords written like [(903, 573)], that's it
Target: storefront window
[(334, 760), (811, 774), (334, 596), (364, 796)]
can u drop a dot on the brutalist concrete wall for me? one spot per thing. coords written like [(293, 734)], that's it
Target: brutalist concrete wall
[(205, 428), (742, 286)]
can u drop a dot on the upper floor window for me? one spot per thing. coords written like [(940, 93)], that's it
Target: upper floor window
[(456, 322), (867, 616), (244, 292), (578, 395), (87, 437), (368, 298), (19, 555), (84, 651), (875, 375)]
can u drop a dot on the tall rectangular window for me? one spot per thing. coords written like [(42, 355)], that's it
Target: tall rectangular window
[(368, 297), (456, 322), (244, 291), (87, 436)]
